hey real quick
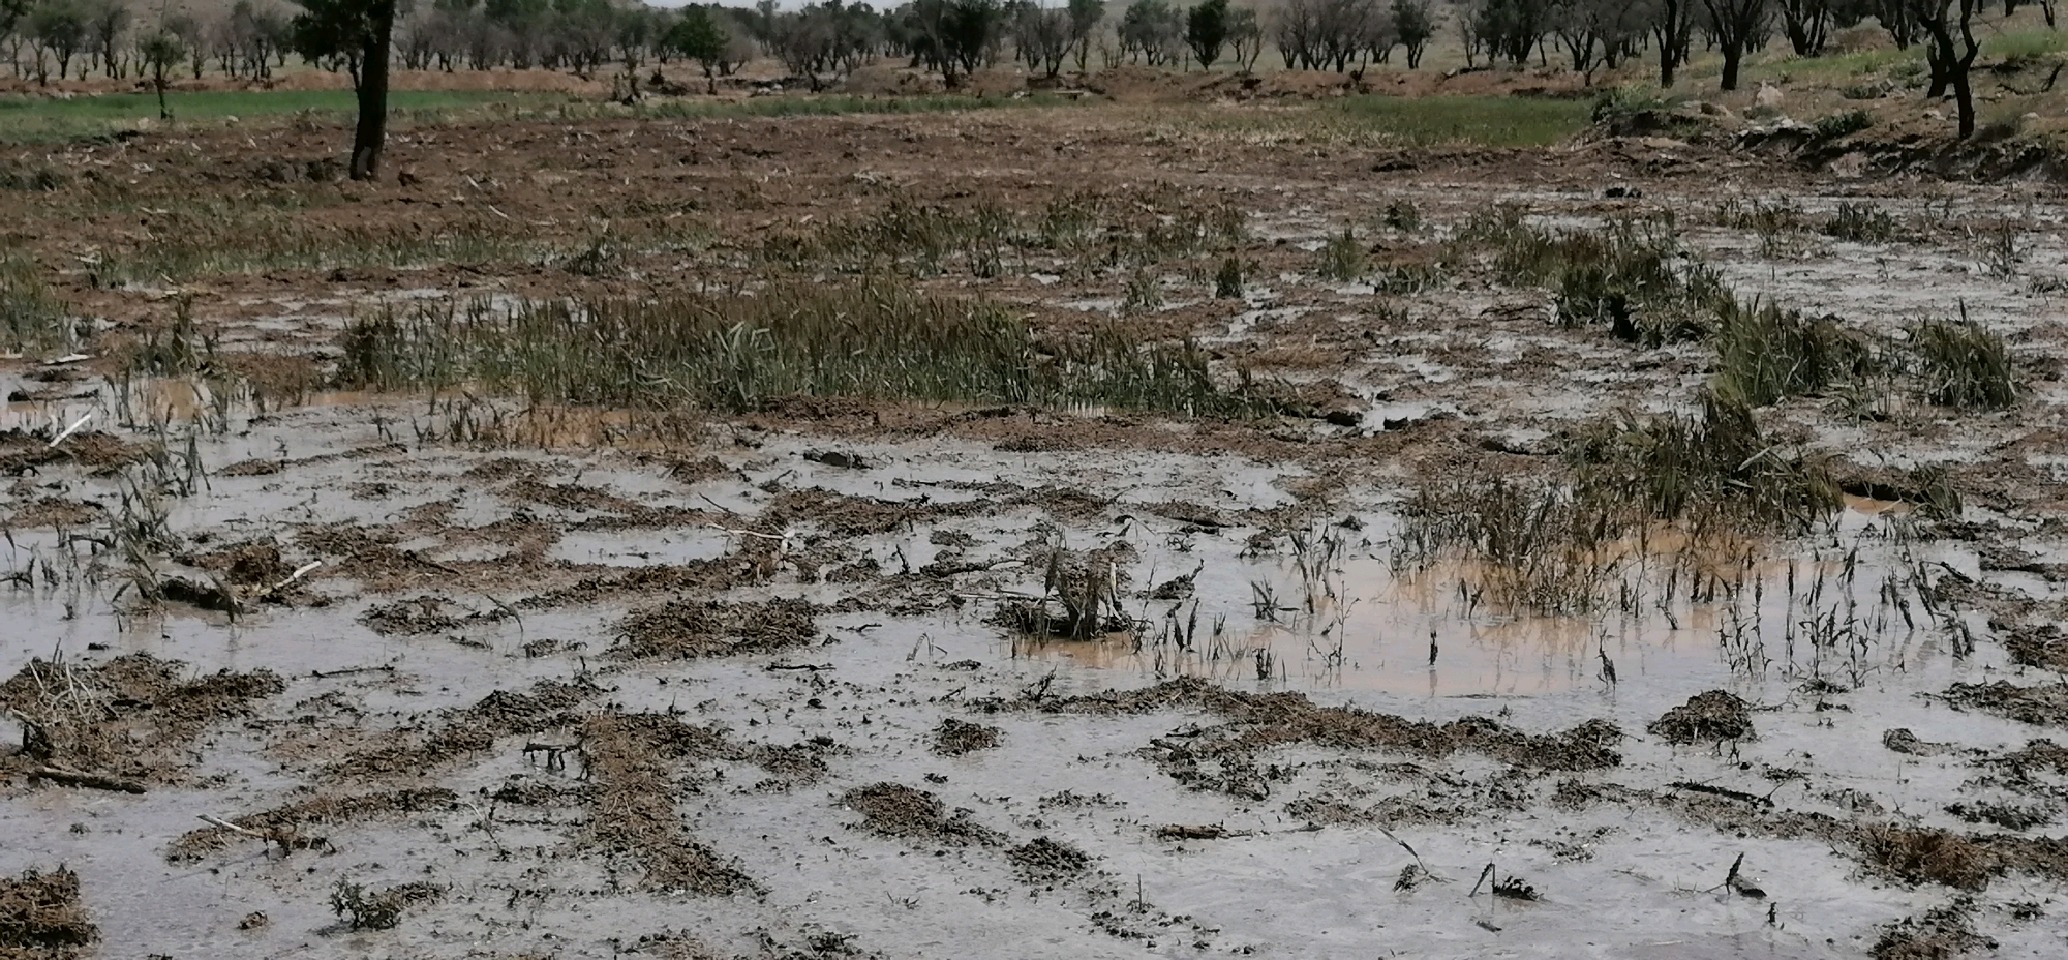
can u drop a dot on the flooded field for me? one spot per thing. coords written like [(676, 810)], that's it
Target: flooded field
[(1041, 530)]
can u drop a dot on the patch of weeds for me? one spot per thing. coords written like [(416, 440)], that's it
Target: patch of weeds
[(1862, 223), (601, 257), (1961, 366), (1843, 124), (1627, 276), (1556, 544), (1406, 279), (31, 317), (741, 352), (1763, 217), (171, 349), (1228, 280), (1717, 461), (1766, 353), (1144, 293), (1538, 545), (1999, 248), (1341, 258), (1402, 216)]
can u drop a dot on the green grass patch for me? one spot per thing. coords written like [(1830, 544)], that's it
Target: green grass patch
[(738, 351), (1960, 365), (1468, 121), (32, 319)]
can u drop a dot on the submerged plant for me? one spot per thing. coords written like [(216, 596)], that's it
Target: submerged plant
[(1860, 223)]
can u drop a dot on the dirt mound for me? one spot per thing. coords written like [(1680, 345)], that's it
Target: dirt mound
[(469, 732), (1938, 856), (1043, 859), (531, 490), (842, 515), (598, 583), (42, 916), (953, 737), (1940, 933), (414, 617), (1135, 84), (685, 629), (253, 563), (130, 717), (1706, 718), (896, 810), (2040, 705)]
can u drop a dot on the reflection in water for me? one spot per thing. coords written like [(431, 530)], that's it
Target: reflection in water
[(1853, 602)]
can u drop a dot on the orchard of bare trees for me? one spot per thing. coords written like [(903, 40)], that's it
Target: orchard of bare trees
[(153, 46)]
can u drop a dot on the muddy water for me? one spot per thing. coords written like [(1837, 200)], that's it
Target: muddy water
[(1813, 635)]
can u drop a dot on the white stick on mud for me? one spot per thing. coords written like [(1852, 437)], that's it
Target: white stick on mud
[(74, 428)]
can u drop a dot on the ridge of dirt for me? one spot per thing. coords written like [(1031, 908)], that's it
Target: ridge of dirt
[(632, 806), (129, 717), (1905, 852), (283, 824), (1259, 721), (2042, 705), (23, 451)]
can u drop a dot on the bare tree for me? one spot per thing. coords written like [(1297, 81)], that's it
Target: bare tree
[(1808, 25), (1735, 24), (1673, 27), (1417, 25), (1949, 25), (1245, 37), (106, 20)]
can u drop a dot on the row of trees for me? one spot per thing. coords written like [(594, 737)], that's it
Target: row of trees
[(951, 37), (1607, 32), (69, 39)]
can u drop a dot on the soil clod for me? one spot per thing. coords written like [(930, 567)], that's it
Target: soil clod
[(1710, 717)]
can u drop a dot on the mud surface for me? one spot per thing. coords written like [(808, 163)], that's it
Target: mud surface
[(302, 664)]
